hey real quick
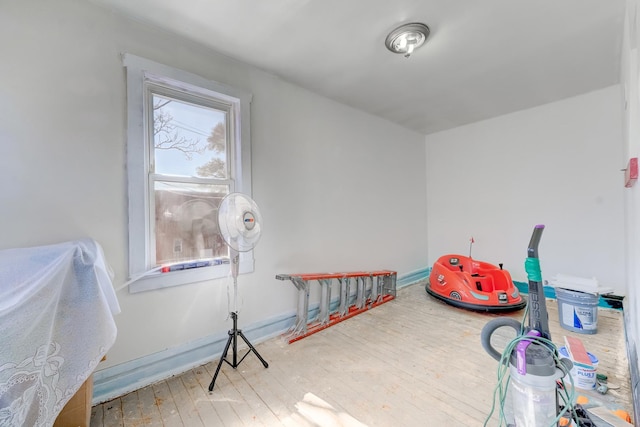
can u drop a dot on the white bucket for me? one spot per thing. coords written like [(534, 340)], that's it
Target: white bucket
[(578, 311), (582, 377)]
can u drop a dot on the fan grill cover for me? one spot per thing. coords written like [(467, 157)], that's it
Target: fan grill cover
[(239, 221)]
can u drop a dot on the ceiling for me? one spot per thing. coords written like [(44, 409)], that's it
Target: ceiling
[(484, 58)]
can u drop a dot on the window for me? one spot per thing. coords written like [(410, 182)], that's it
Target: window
[(188, 146)]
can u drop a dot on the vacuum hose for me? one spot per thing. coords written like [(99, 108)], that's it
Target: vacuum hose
[(489, 328), (538, 315)]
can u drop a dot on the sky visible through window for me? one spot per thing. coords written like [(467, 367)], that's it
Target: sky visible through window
[(193, 123)]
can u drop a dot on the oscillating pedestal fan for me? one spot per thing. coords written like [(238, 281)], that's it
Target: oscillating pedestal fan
[(240, 224)]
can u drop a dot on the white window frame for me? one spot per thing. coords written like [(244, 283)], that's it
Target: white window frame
[(141, 72)]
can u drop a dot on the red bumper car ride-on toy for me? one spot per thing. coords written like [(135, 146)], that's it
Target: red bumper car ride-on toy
[(473, 285)]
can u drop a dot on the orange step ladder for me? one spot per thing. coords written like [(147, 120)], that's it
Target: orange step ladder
[(372, 288)]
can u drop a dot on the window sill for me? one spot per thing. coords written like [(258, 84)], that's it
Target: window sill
[(159, 280)]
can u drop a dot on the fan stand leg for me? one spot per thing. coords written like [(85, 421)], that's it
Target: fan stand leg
[(233, 339)]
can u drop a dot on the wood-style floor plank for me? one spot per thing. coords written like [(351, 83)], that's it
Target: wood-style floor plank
[(203, 405), (151, 415), (112, 414), (411, 361), (131, 414), (185, 405), (223, 408), (166, 405)]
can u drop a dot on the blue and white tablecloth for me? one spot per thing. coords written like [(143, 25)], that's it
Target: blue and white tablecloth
[(56, 323)]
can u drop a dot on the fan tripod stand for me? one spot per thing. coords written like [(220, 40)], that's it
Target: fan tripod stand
[(233, 338)]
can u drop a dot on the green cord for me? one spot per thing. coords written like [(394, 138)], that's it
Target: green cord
[(504, 377), (532, 265)]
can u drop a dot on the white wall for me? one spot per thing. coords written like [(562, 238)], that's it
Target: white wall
[(558, 165), (630, 73), (338, 189)]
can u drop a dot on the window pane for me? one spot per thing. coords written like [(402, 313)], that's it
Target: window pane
[(189, 140), (186, 221)]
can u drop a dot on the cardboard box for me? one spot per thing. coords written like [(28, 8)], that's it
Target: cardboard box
[(77, 411)]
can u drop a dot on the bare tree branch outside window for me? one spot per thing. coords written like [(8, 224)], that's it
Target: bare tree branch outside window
[(167, 137)]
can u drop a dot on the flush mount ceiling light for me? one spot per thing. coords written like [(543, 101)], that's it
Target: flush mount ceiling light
[(407, 38)]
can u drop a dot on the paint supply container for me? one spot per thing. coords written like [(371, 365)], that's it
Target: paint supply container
[(578, 311), (582, 377)]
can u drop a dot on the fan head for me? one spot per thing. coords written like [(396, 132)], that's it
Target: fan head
[(239, 221)]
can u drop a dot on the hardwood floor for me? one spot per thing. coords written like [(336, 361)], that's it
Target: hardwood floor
[(412, 361)]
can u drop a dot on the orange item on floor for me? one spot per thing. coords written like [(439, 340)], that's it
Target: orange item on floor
[(620, 413)]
